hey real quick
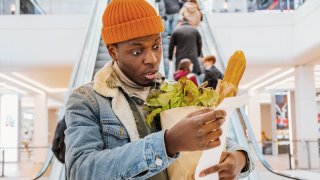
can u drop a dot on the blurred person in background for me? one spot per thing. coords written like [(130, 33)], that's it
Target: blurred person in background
[(182, 2), (212, 74), (186, 40), (192, 13), (172, 14), (185, 70), (162, 10)]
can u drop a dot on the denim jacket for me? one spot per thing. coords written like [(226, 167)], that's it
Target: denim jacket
[(102, 140)]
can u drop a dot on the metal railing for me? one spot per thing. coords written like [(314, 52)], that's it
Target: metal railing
[(22, 154), (255, 145), (21, 7), (291, 149)]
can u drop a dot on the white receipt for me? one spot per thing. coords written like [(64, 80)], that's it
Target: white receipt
[(211, 157)]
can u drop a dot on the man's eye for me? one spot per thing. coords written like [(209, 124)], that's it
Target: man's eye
[(157, 46), (136, 52)]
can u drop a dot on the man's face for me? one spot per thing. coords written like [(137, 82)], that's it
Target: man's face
[(207, 64), (139, 59)]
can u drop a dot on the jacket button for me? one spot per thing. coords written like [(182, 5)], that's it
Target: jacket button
[(159, 162), (140, 102)]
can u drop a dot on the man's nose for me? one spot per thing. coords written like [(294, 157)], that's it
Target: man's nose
[(150, 57)]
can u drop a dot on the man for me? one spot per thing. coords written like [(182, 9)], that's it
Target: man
[(187, 41), (106, 135), (212, 74)]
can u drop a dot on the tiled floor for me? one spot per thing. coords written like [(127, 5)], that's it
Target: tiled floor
[(307, 175), (280, 163), (22, 170)]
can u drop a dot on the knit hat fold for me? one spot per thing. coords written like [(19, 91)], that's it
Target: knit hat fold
[(128, 19)]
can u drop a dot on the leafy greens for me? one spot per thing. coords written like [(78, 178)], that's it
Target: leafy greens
[(179, 94)]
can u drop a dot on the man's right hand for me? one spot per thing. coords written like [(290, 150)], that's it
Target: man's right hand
[(200, 130)]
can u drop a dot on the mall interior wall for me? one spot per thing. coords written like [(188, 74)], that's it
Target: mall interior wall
[(48, 40)]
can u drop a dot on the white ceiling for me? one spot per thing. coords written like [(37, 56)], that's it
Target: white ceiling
[(50, 81)]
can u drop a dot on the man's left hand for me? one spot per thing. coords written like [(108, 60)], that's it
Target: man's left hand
[(230, 166)]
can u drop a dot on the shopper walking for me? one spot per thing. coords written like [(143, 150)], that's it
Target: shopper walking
[(192, 13), (172, 14), (187, 42)]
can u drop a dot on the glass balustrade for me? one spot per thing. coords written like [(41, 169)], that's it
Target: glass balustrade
[(43, 7), (240, 6)]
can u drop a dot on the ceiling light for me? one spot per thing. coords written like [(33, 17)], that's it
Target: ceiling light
[(21, 83), (259, 79), (273, 79), (274, 86), (39, 85), (14, 89), (13, 8)]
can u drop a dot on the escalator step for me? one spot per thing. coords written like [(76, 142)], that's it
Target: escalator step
[(100, 64), (102, 43), (102, 49), (103, 57), (165, 48), (165, 40)]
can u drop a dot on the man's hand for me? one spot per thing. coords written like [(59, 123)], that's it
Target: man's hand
[(231, 164), (200, 130)]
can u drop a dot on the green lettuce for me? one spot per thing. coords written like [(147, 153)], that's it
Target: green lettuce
[(179, 94)]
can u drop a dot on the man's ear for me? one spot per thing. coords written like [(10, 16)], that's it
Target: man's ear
[(112, 49)]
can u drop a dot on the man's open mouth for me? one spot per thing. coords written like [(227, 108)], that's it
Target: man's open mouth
[(151, 75)]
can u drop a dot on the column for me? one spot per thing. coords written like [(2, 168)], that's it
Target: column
[(9, 126), (40, 137), (254, 114), (306, 117), (17, 7)]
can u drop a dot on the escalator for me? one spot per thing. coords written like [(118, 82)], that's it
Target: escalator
[(239, 120), (102, 57), (93, 57)]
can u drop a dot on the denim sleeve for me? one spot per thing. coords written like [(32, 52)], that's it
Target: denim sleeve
[(86, 157), (249, 167)]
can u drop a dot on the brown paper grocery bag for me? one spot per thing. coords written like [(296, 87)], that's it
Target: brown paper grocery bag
[(184, 168)]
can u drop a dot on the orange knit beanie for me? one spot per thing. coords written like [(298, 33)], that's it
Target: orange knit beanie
[(128, 19)]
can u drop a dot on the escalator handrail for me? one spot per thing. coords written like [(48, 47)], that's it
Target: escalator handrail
[(257, 149), (45, 166)]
